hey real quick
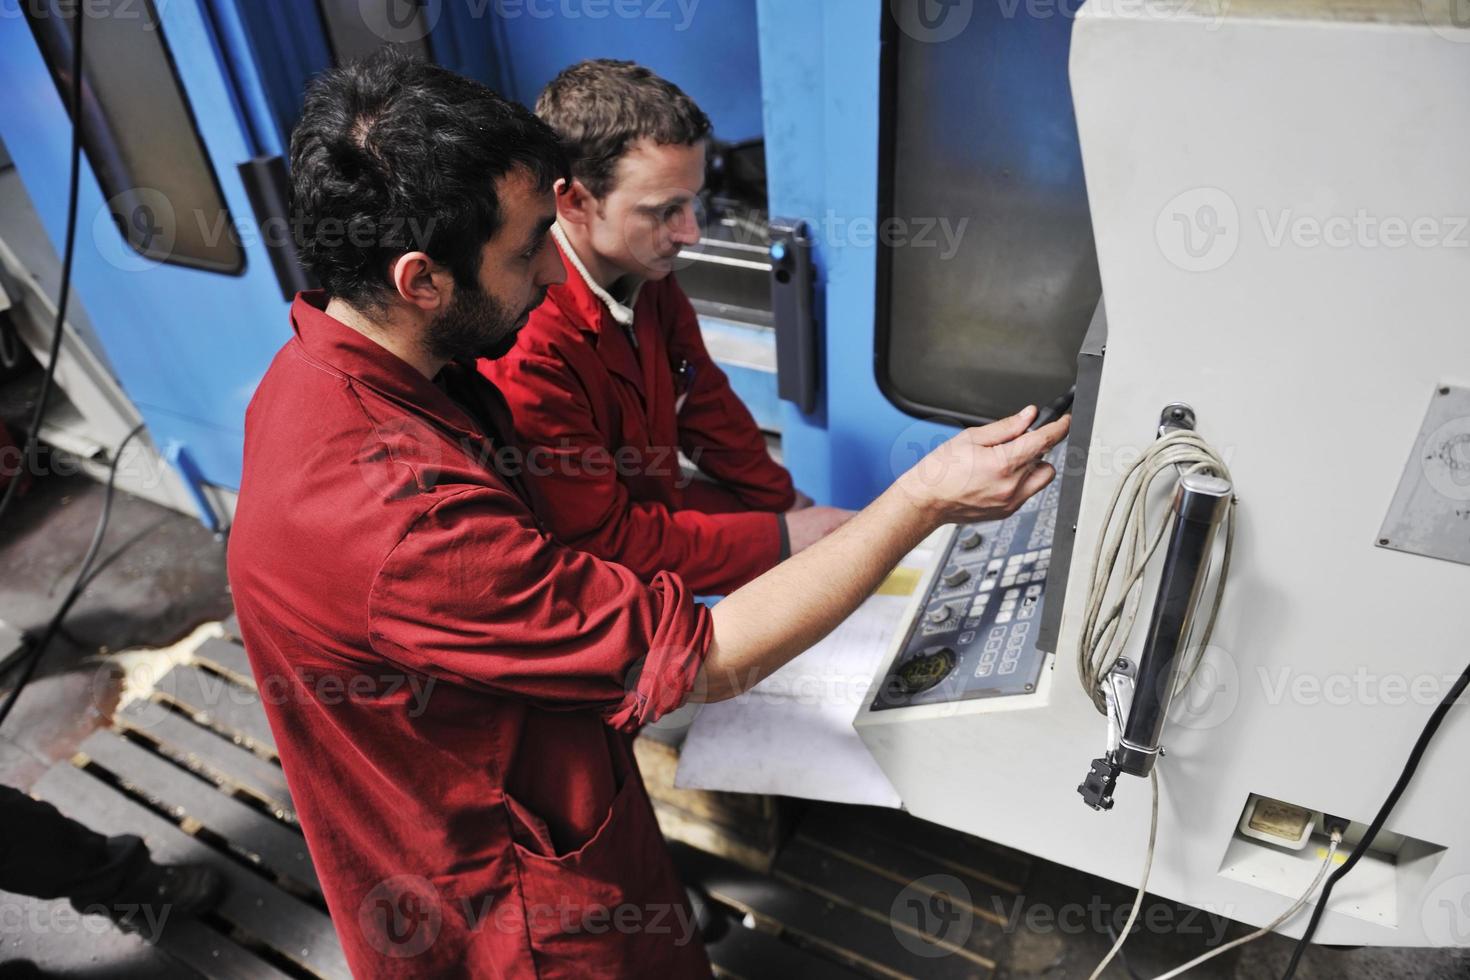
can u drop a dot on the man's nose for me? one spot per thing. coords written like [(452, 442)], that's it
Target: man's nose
[(686, 229), (549, 269)]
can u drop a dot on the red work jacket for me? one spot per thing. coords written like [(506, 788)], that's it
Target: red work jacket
[(604, 422), (451, 690)]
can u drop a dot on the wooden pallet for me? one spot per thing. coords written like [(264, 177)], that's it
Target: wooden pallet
[(193, 770), (866, 892), (745, 828)]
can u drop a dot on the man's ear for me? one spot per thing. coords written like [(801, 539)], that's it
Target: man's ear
[(574, 202), (420, 282)]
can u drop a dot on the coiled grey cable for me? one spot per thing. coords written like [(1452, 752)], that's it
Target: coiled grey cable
[(1124, 548)]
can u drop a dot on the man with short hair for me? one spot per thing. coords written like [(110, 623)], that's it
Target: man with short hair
[(610, 379), (452, 690)]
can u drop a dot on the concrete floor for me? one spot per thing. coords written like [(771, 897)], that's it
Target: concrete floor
[(159, 575), (163, 574)]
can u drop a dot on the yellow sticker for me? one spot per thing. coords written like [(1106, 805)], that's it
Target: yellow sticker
[(901, 581), (1338, 858)]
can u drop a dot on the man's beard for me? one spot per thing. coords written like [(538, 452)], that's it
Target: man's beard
[(475, 325)]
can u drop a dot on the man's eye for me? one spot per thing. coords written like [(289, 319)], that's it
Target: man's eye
[(533, 250)]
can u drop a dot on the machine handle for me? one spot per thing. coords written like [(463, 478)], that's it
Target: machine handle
[(1199, 504), (792, 297), (268, 187)]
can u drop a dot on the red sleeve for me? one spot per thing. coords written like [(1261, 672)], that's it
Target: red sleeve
[(716, 430), (475, 594), (589, 507)]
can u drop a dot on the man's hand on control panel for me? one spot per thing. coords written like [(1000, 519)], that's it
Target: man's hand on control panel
[(982, 474)]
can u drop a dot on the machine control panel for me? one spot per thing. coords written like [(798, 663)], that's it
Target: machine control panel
[(975, 634)]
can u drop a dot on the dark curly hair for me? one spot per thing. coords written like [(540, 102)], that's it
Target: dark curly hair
[(599, 107), (394, 155)]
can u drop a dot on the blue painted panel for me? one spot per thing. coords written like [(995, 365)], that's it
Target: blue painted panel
[(277, 46), (706, 47), (757, 389), (820, 78), (747, 355), (188, 346)]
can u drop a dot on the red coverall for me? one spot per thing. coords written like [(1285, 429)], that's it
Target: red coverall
[(607, 422), (452, 691)]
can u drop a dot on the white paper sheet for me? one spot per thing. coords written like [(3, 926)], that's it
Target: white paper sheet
[(792, 734)]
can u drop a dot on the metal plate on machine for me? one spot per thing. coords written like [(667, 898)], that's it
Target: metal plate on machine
[(1430, 513), (975, 635)]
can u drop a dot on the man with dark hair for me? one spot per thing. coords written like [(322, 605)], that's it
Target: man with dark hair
[(453, 692), (612, 369)]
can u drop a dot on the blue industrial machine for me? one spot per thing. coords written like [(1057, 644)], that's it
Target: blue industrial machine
[(955, 270), (183, 264), (860, 156)]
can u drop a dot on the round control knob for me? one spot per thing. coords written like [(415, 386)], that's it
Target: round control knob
[(941, 614), (971, 539), (926, 670), (955, 576)]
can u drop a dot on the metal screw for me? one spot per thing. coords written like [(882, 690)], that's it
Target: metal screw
[(1445, 390), (1383, 541)]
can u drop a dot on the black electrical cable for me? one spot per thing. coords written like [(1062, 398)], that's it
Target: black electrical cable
[(33, 434), (33, 657), (1430, 727)]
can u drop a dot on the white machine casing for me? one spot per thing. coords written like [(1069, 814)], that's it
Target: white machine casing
[(1310, 362)]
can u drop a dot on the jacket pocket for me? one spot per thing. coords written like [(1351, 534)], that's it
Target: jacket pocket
[(609, 902)]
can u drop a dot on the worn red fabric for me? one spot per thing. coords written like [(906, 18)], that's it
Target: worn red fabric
[(451, 690), (606, 423)]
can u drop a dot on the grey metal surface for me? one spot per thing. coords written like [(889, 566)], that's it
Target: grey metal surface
[(1430, 512), (994, 273), (21, 229), (1073, 472), (728, 274)]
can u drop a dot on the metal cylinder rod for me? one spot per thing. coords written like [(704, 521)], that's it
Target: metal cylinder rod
[(1199, 505)]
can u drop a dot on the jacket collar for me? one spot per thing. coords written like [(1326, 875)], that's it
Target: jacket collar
[(589, 300), (332, 343)]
